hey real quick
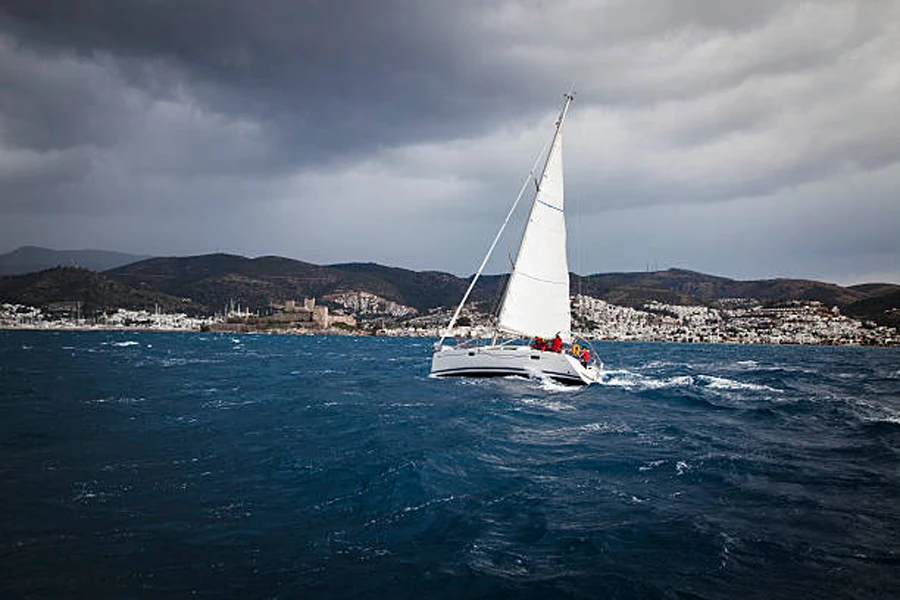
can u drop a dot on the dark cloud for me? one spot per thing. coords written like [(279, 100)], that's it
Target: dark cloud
[(56, 105), (323, 77), (294, 127)]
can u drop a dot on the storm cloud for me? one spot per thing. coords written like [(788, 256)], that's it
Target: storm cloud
[(743, 139)]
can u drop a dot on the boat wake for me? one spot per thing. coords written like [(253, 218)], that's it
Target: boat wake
[(635, 381)]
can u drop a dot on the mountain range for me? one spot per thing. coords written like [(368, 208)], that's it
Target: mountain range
[(208, 283), (29, 259)]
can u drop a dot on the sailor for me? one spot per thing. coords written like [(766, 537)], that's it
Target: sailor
[(585, 357), (539, 343), (557, 344)]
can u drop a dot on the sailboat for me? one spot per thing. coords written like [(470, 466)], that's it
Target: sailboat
[(536, 301)]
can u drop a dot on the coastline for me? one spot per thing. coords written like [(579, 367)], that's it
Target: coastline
[(403, 333)]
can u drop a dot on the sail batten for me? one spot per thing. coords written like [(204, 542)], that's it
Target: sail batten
[(536, 302)]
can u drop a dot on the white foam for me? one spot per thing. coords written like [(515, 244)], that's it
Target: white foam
[(549, 385), (875, 413), (661, 364), (721, 383), (547, 404), (118, 400), (125, 344), (651, 465), (601, 427), (629, 380)]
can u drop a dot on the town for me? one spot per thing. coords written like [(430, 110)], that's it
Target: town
[(731, 321)]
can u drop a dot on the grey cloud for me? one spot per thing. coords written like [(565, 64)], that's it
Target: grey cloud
[(31, 181), (214, 116), (324, 77), (56, 105)]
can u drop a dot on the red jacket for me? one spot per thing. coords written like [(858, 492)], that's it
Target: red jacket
[(557, 344)]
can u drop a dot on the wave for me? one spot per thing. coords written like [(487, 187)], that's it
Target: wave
[(632, 380), (869, 412), (546, 404), (118, 400), (722, 383)]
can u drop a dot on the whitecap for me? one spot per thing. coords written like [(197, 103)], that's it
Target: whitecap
[(125, 344), (663, 364), (630, 380), (875, 413), (546, 404), (651, 465), (620, 378), (601, 427), (721, 383), (117, 400)]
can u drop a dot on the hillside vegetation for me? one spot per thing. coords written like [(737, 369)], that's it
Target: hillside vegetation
[(209, 283), (95, 291)]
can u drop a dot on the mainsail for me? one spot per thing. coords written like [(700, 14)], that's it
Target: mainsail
[(536, 302)]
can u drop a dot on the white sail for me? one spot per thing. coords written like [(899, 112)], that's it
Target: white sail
[(536, 302)]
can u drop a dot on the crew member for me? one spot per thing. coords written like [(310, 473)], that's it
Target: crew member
[(557, 344)]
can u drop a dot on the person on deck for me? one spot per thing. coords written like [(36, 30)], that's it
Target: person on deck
[(585, 357), (539, 343), (557, 344)]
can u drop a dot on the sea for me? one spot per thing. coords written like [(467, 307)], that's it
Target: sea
[(198, 465)]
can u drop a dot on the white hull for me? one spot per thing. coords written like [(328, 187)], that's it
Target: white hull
[(504, 360)]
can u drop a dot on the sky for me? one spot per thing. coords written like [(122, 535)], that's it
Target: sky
[(749, 140)]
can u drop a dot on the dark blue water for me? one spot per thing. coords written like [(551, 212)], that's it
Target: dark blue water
[(179, 465)]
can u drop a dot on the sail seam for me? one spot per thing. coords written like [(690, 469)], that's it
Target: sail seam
[(533, 278)]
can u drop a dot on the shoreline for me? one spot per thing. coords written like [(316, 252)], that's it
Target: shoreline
[(406, 334)]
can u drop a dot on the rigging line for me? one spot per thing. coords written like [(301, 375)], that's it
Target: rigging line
[(579, 250)]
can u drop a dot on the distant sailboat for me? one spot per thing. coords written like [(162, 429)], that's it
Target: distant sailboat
[(536, 302)]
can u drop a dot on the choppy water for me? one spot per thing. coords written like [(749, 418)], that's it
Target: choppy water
[(141, 464)]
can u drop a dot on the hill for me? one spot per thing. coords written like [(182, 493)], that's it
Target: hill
[(94, 291), (424, 290), (209, 283), (883, 308), (679, 286), (218, 279), (32, 259)]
